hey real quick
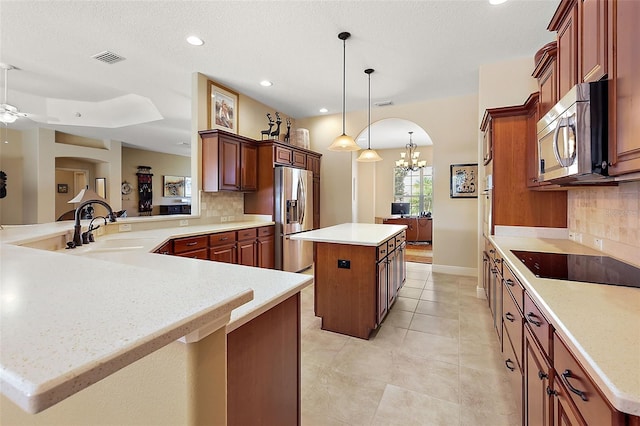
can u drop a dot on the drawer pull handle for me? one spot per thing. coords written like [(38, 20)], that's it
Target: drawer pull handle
[(223, 239), (192, 243), (509, 364), (551, 392), (509, 282), (510, 316), (565, 378), (542, 375), (536, 321)]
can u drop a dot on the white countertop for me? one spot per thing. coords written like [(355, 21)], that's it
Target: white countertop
[(600, 323), (72, 317), (359, 234)]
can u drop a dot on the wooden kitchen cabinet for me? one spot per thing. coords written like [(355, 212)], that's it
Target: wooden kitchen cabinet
[(247, 247), (512, 202), (189, 244), (266, 247), (222, 247), (546, 74), (624, 87), (537, 376), (565, 23), (229, 162), (592, 40)]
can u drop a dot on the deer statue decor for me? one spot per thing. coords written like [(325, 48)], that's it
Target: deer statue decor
[(287, 137), (267, 132), (276, 132)]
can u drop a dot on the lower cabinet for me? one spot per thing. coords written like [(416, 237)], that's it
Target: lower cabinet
[(266, 247), (263, 368), (537, 383), (247, 247), (222, 247)]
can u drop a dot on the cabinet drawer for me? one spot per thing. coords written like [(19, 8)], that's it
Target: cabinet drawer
[(382, 251), (512, 320), (247, 234), (166, 248), (513, 285), (182, 245), (582, 391), (539, 325), (265, 231), (196, 254), (222, 238), (401, 238), (391, 245)]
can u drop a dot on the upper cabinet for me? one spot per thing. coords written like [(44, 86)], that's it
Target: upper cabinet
[(597, 39), (229, 162), (546, 74), (624, 86), (564, 21)]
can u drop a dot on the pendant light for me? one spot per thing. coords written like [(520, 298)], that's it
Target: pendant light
[(369, 155), (344, 142)]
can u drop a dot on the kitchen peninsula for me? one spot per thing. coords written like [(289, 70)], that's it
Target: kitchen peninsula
[(112, 332), (359, 269)]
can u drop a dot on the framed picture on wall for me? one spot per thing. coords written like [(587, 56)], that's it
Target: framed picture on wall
[(464, 181), (173, 186), (63, 188), (223, 108)]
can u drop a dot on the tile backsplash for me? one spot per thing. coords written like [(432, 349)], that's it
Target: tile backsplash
[(215, 204), (610, 214)]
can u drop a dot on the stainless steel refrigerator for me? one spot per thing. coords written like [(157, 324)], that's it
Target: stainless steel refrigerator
[(293, 214)]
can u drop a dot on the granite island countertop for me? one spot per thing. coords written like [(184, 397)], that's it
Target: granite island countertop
[(359, 234), (72, 317), (600, 323)]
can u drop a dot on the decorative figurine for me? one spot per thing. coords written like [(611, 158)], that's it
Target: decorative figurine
[(267, 132), (276, 132), (288, 135)]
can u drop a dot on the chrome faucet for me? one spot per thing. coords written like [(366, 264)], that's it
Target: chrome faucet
[(77, 239)]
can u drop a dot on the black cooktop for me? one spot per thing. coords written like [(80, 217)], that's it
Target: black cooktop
[(580, 267)]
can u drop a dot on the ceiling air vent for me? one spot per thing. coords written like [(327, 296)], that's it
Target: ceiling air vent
[(108, 57), (382, 103)]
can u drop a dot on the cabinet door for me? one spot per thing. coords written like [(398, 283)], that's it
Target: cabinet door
[(282, 155), (247, 253), (383, 276), (564, 412), (537, 383), (392, 278), (266, 252), (313, 164), (223, 253), (316, 203), (624, 87), (249, 167), (567, 52), (513, 373), (299, 159), (593, 39), (547, 87), (229, 164)]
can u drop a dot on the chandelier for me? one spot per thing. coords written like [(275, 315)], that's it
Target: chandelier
[(409, 160)]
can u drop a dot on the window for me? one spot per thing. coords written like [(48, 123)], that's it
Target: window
[(414, 187)]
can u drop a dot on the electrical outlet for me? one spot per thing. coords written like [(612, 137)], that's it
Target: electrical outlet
[(124, 227), (230, 218), (578, 238), (223, 218), (184, 222), (572, 236), (598, 243)]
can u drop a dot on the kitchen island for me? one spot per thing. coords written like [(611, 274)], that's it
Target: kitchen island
[(358, 270), (112, 333)]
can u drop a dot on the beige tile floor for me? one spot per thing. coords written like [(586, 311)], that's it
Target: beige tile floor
[(434, 361)]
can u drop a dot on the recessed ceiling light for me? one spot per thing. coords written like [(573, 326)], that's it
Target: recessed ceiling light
[(323, 110), (494, 2), (195, 41), (266, 83)]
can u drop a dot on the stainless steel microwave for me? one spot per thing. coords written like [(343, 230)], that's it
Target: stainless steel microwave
[(572, 136)]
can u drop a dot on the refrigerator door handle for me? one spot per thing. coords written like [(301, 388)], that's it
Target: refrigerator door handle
[(301, 200)]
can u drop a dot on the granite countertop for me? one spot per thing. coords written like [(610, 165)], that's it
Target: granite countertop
[(72, 317), (359, 234), (600, 323)]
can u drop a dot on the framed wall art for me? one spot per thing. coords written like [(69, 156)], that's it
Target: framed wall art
[(63, 188), (173, 186), (223, 108), (464, 181)]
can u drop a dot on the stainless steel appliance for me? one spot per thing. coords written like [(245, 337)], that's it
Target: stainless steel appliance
[(580, 267), (572, 137), (293, 214)]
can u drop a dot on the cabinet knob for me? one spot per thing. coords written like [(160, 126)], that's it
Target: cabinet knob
[(542, 375), (551, 392)]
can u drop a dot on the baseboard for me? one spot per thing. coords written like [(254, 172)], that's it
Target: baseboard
[(455, 270), (480, 293)]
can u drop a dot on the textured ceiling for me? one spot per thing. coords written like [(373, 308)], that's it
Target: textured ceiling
[(419, 49)]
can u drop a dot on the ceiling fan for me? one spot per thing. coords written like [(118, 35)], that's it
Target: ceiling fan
[(8, 112)]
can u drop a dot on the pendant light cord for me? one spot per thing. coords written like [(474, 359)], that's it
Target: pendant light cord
[(369, 129), (344, 84)]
